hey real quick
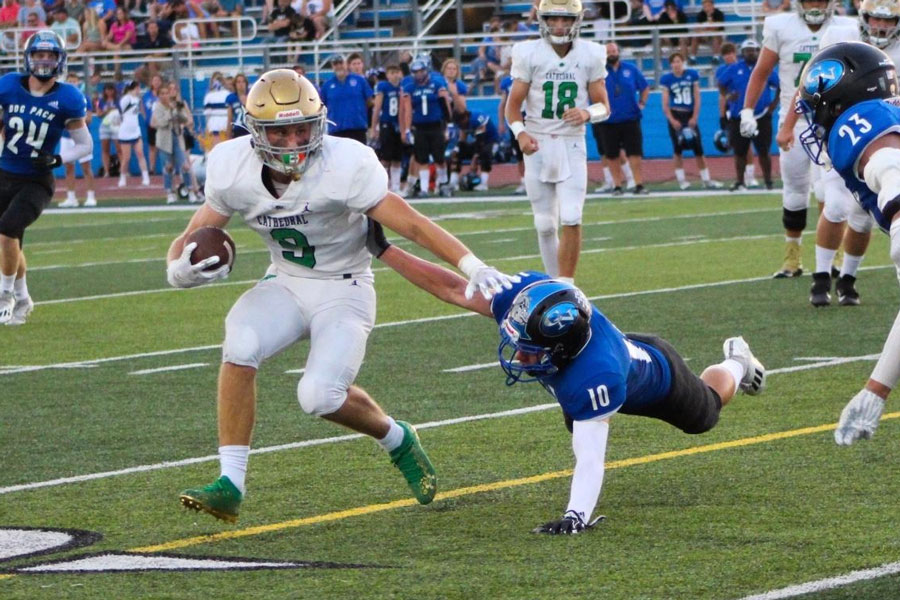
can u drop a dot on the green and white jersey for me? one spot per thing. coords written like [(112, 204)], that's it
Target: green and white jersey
[(788, 36), (851, 34), (556, 84), (317, 227)]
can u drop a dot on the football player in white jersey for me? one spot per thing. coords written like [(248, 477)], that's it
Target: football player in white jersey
[(878, 25), (307, 195), (789, 41), (560, 79)]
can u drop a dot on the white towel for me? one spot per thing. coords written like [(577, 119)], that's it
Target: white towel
[(554, 160)]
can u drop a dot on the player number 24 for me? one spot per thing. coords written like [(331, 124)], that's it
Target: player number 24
[(861, 124), (35, 137)]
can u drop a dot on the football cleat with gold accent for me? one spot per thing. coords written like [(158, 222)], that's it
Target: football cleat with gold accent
[(412, 461), (221, 499)]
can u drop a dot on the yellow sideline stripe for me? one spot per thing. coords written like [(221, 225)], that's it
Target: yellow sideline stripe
[(485, 487)]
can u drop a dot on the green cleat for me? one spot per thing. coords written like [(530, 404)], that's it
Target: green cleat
[(412, 461), (220, 498)]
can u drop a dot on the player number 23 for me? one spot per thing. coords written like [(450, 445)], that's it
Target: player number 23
[(862, 126), (599, 397)]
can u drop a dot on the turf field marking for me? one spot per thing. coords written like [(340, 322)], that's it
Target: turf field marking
[(828, 583), (96, 361), (486, 487), (169, 368), (264, 450)]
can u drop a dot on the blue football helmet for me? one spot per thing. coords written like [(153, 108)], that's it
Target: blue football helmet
[(687, 139), (838, 77), (550, 320), (420, 69), (43, 41)]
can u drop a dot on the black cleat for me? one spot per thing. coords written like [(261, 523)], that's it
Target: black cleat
[(820, 292), (617, 191), (846, 291)]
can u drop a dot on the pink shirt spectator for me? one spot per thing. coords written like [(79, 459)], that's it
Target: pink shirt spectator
[(123, 32)]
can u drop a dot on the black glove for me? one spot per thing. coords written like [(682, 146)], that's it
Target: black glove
[(376, 243), (571, 524), (46, 161), (723, 123)]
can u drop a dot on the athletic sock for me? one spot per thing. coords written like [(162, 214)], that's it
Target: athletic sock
[(796, 240), (704, 174), (824, 259), (233, 462), (395, 178), (441, 173), (425, 180), (607, 176), (629, 175), (736, 370), (679, 175), (851, 264), (394, 437), (484, 178), (454, 180), (20, 287), (569, 280), (749, 172), (70, 195), (7, 282)]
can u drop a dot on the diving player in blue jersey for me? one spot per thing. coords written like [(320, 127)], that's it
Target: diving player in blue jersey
[(848, 94), (36, 109), (550, 333), (426, 107)]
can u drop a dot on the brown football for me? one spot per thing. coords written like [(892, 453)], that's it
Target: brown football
[(212, 241)]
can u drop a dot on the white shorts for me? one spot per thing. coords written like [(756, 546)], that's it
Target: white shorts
[(336, 315), (67, 143), (565, 198)]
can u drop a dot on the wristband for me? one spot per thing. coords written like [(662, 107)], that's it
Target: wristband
[(516, 127), (598, 112), (470, 263)]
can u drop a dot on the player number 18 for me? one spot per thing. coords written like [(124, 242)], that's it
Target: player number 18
[(862, 125)]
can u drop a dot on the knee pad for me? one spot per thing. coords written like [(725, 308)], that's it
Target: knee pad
[(320, 397), (241, 345), (794, 220), (545, 224), (835, 209), (860, 220)]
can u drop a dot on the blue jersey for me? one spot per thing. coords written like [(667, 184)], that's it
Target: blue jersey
[(681, 90), (148, 99), (426, 101), (481, 124), (390, 103), (347, 102), (720, 70), (612, 371), (34, 124), (434, 76), (734, 79), (852, 132)]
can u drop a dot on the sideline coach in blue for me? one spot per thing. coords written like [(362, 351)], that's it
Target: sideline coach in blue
[(347, 97), (622, 131)]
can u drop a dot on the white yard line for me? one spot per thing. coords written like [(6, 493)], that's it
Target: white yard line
[(169, 368), (344, 438), (829, 583)]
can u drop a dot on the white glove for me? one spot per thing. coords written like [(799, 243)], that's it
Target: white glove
[(749, 128), (485, 279), (182, 274), (859, 418)]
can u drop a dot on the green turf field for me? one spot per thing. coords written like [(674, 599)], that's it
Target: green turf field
[(99, 432)]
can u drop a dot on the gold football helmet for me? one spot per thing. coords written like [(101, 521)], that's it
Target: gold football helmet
[(282, 97), (559, 8), (880, 37)]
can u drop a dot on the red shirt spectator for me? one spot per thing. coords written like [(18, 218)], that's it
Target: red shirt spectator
[(9, 13)]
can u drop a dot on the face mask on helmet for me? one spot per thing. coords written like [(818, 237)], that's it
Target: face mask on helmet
[(814, 15), (839, 77), (547, 326), (45, 55), (879, 22), (570, 10), (278, 103)]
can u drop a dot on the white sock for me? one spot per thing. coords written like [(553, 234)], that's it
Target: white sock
[(824, 259), (90, 195), (395, 178), (20, 287), (7, 282), (607, 176), (424, 180), (629, 175), (749, 172), (797, 240), (736, 370), (233, 462), (411, 180), (454, 179), (441, 174), (145, 174), (549, 247), (484, 178), (851, 264), (70, 195), (679, 175), (569, 280), (704, 174), (394, 437)]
